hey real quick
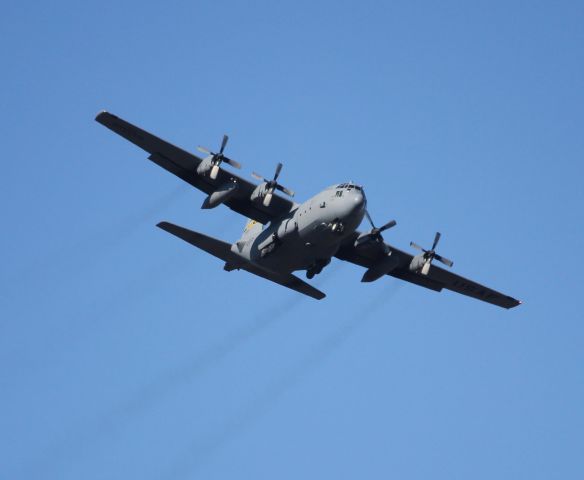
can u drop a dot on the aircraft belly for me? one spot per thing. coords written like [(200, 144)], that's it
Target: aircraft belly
[(301, 252), (310, 237)]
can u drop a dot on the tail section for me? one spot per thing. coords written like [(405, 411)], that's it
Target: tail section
[(251, 230), (211, 245)]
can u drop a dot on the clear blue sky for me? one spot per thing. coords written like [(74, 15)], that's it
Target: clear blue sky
[(125, 353)]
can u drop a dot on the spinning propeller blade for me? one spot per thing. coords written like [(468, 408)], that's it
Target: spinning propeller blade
[(375, 233), (223, 144), (431, 254), (272, 185), (219, 157)]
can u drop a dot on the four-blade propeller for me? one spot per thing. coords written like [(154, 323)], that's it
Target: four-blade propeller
[(373, 235), (431, 254), (218, 158), (375, 232), (272, 185)]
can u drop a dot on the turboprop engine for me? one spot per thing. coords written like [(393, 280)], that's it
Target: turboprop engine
[(374, 239), (421, 263), (222, 194), (265, 191), (210, 165)]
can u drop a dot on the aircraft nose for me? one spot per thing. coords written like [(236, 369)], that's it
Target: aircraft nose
[(358, 199), (356, 202)]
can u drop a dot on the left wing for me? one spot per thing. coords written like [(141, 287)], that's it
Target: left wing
[(184, 165), (437, 277)]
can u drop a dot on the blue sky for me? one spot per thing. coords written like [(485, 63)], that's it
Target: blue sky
[(126, 353)]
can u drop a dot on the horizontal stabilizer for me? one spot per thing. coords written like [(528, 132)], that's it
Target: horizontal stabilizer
[(223, 251), (286, 280), (211, 245)]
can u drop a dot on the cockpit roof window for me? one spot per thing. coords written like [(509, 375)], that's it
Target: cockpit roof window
[(349, 186)]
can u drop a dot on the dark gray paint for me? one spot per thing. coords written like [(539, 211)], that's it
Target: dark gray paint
[(297, 236)]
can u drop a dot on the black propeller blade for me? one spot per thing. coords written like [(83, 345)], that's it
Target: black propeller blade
[(219, 157), (431, 254), (272, 185), (375, 233)]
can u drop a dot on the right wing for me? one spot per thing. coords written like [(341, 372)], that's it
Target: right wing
[(437, 277), (223, 251), (184, 165)]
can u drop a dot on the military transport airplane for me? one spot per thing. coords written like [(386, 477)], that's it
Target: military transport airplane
[(283, 236)]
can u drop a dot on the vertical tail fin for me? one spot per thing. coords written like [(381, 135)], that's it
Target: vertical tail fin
[(252, 228)]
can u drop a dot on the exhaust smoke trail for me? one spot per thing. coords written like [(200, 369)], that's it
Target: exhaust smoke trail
[(151, 394), (97, 243), (203, 450), (162, 386)]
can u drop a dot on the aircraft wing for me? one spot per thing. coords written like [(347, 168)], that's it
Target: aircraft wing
[(437, 278), (184, 165)]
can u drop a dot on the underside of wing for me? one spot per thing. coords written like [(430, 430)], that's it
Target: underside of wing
[(184, 165), (436, 279)]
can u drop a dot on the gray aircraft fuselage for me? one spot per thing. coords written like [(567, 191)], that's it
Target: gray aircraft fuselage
[(309, 235), (283, 236)]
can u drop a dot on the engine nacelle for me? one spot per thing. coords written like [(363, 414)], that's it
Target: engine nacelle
[(222, 194), (417, 263), (381, 268), (360, 243), (258, 193), (366, 242), (205, 166)]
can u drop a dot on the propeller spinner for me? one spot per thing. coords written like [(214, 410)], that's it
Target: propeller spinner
[(431, 254), (218, 158), (272, 185)]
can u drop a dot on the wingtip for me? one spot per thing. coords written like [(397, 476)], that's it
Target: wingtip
[(163, 225), (104, 114), (101, 114), (516, 303)]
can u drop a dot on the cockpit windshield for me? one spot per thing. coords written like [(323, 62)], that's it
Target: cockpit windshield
[(350, 186)]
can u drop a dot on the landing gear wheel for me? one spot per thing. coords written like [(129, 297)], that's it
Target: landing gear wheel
[(310, 274)]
